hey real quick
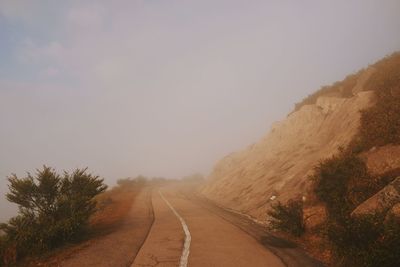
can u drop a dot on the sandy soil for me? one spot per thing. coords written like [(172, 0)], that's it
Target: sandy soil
[(120, 247)]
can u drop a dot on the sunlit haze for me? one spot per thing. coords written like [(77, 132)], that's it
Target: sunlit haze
[(167, 88)]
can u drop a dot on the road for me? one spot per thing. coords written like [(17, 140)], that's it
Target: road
[(218, 237), (172, 226)]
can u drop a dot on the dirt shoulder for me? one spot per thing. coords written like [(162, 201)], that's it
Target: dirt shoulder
[(119, 229), (119, 248)]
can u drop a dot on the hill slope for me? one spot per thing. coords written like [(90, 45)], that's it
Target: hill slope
[(278, 165)]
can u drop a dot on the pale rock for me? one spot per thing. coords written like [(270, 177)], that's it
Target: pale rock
[(281, 162)]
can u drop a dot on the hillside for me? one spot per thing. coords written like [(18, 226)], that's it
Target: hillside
[(278, 166)]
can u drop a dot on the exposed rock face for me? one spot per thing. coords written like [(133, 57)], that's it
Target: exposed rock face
[(382, 201), (281, 162), (383, 159)]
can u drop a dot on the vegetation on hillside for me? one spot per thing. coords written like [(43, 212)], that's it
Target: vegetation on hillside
[(338, 89), (386, 75), (380, 124), (53, 209), (288, 217), (342, 182)]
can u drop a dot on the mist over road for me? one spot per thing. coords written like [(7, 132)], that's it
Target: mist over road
[(215, 240), (173, 226)]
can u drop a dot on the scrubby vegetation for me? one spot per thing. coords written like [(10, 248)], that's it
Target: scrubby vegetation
[(342, 182), (338, 89), (368, 241), (380, 124), (53, 209), (288, 218), (386, 75), (132, 182)]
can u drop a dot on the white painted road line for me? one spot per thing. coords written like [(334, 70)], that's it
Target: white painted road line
[(186, 246)]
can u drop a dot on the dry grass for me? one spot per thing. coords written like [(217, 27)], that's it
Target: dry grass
[(113, 206)]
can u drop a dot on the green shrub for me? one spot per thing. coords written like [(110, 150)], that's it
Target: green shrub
[(130, 182), (367, 241), (53, 209), (380, 124), (288, 218), (342, 182), (386, 75)]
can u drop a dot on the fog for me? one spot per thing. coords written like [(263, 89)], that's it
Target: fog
[(167, 88)]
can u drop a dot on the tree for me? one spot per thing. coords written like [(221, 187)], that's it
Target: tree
[(53, 209)]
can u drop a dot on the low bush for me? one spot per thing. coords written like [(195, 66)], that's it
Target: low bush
[(132, 182), (367, 241), (342, 182), (380, 124), (53, 209), (288, 218)]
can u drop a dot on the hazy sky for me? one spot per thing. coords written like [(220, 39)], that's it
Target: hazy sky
[(166, 88)]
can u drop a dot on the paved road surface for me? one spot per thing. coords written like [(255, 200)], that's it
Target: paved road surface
[(153, 235), (214, 241)]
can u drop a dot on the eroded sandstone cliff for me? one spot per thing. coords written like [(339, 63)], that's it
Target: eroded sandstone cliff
[(277, 167)]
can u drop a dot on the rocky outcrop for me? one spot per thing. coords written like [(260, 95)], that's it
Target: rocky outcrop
[(279, 165), (382, 201), (383, 159)]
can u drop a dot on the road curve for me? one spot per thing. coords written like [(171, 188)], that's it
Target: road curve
[(215, 241)]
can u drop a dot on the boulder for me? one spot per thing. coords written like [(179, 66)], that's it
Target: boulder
[(382, 201), (383, 159)]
